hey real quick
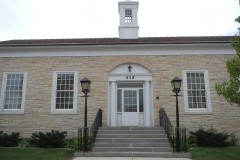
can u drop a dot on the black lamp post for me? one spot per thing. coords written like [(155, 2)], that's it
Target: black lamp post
[(176, 86), (85, 83)]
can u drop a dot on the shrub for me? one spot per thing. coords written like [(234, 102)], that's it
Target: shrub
[(9, 140), (90, 143), (24, 142), (185, 145), (71, 143), (212, 138), (233, 140), (53, 139)]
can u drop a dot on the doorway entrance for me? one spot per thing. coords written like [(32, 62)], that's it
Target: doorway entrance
[(130, 96), (130, 103)]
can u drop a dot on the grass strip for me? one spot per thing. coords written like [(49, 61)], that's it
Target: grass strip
[(35, 154), (204, 153)]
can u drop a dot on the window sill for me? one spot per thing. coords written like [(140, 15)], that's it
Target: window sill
[(63, 112), (198, 113), (12, 112)]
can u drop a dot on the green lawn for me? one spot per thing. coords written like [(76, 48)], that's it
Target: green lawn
[(35, 154), (203, 153), (198, 153)]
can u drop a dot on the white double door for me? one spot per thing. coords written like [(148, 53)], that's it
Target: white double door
[(131, 105)]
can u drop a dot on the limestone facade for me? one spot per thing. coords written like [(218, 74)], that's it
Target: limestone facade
[(37, 110)]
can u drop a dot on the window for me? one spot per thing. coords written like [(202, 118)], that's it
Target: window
[(128, 16), (128, 94), (141, 104), (196, 91), (13, 92), (130, 101), (64, 98), (119, 100)]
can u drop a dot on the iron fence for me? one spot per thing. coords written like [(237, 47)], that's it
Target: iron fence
[(172, 131), (91, 133)]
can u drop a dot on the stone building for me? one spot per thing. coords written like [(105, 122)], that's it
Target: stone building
[(130, 80)]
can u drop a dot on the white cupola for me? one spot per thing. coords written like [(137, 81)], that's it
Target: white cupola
[(128, 11)]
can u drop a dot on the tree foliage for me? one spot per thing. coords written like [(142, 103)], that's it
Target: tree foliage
[(231, 89), (237, 19)]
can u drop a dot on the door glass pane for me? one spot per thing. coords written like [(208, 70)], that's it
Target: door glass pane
[(119, 100), (141, 100), (130, 101)]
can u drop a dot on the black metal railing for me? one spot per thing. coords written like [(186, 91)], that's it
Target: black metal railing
[(91, 133), (80, 139), (172, 131), (96, 124)]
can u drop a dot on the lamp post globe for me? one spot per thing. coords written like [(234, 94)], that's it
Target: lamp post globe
[(85, 83), (176, 84)]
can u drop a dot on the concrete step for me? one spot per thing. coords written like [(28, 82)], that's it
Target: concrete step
[(131, 128), (132, 149), (131, 135), (132, 145), (133, 154), (131, 140), (131, 132)]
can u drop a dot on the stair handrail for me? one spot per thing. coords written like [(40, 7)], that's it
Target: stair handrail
[(95, 126), (91, 135), (171, 131)]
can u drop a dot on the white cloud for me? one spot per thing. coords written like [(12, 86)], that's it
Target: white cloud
[(99, 18)]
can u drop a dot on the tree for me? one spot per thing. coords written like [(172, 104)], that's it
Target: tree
[(230, 89), (237, 19)]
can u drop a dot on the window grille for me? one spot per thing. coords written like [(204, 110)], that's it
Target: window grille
[(196, 90), (128, 16), (14, 91), (65, 91)]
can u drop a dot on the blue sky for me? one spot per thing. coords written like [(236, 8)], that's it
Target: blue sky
[(44, 19)]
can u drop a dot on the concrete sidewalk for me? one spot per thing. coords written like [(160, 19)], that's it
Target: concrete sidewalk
[(127, 158)]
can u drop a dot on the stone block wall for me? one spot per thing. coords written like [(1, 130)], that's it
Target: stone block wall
[(37, 116)]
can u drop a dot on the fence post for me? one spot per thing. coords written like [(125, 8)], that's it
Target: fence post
[(100, 116)]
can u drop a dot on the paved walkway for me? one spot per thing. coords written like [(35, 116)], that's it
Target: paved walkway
[(126, 158)]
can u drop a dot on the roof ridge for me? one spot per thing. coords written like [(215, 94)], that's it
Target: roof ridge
[(112, 41)]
